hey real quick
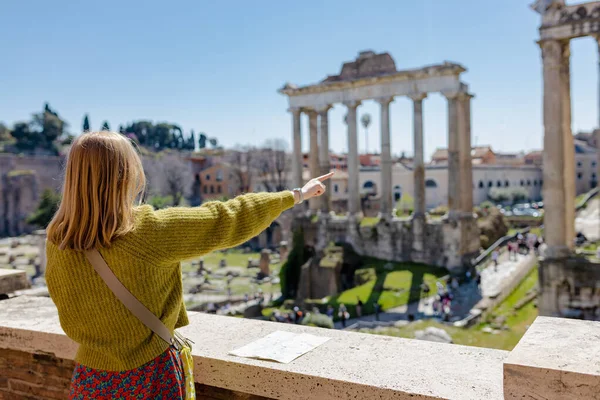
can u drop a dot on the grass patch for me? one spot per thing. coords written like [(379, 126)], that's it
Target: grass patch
[(393, 287), (517, 321)]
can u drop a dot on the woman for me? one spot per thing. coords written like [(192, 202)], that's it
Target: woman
[(118, 356)]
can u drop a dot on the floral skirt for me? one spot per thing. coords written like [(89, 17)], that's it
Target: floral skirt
[(162, 378)]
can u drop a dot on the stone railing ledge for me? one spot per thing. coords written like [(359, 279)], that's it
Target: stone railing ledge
[(349, 366), (556, 359)]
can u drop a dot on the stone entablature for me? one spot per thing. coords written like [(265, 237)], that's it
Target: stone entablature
[(434, 78), (36, 358), (563, 22)]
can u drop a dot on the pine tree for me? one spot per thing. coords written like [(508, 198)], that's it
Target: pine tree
[(86, 123), (105, 126)]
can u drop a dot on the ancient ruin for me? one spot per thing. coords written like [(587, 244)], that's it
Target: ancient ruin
[(371, 76), (570, 285)]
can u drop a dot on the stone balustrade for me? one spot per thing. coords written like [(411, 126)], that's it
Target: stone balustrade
[(557, 359)]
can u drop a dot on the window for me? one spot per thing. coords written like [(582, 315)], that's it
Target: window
[(593, 175), (499, 183), (579, 164), (336, 188), (219, 175), (541, 182), (212, 189), (481, 185), (528, 182), (490, 184), (579, 175), (506, 184), (205, 189), (430, 183), (522, 182), (219, 189), (208, 177), (535, 182), (593, 164)]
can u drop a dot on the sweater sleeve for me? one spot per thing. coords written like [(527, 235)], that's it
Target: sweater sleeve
[(180, 233)]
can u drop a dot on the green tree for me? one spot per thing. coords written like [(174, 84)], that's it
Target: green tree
[(105, 126), (51, 126), (5, 133), (86, 123), (46, 209), (202, 141), (27, 138), (289, 275)]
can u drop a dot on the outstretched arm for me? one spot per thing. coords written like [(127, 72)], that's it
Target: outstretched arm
[(181, 233)]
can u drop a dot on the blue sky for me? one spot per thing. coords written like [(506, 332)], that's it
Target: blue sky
[(216, 66)]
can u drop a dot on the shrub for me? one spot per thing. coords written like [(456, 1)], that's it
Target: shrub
[(439, 210), (46, 209), (486, 204), (289, 275), (492, 227)]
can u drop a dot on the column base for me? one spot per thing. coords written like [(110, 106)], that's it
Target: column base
[(553, 253)]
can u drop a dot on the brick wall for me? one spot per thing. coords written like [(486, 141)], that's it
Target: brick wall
[(33, 376), (40, 376)]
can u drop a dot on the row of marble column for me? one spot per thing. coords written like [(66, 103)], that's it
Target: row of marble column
[(460, 195)]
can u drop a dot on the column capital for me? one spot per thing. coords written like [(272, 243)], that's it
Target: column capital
[(323, 109), (295, 110), (418, 96), (465, 96), (384, 100), (351, 103), (309, 111), (451, 94), (554, 51)]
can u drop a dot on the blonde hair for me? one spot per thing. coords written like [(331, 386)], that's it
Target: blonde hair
[(104, 176)]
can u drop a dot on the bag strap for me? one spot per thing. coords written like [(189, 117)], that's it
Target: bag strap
[(140, 311)]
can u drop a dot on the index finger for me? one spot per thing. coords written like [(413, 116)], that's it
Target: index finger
[(325, 177)]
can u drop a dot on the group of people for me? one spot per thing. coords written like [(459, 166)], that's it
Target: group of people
[(344, 315), (524, 244), (293, 317)]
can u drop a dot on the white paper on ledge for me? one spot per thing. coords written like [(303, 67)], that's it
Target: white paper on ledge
[(283, 347)]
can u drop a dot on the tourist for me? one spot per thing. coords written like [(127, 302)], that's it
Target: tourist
[(330, 311), (343, 314), (377, 309), (495, 256), (359, 306), (98, 220)]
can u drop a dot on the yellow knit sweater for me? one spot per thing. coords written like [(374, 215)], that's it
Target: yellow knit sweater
[(147, 262)]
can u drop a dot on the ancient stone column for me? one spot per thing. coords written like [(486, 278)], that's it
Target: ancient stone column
[(454, 176), (418, 217), (465, 159), (324, 154), (598, 43), (555, 160), (419, 159), (313, 157), (297, 148), (386, 158), (353, 162), (597, 132), (569, 147)]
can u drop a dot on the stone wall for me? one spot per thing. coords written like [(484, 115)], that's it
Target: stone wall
[(570, 288), (445, 243), (22, 180)]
